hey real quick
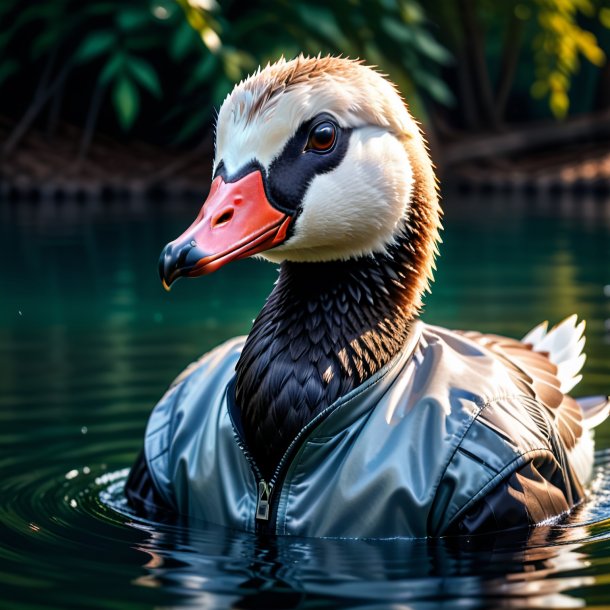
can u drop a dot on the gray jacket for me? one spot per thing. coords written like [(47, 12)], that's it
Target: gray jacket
[(407, 453)]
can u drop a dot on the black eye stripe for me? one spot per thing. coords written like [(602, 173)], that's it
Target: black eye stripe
[(291, 172)]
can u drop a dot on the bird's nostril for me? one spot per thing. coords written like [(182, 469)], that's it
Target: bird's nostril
[(223, 219), (184, 251)]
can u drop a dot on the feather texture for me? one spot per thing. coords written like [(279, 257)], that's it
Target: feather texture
[(563, 344), (327, 327), (545, 365)]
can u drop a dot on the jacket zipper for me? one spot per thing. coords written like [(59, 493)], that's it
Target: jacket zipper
[(266, 507)]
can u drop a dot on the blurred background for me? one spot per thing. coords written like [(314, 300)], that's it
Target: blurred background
[(106, 137), (111, 96)]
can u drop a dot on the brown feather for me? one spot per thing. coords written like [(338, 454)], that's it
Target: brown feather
[(534, 371)]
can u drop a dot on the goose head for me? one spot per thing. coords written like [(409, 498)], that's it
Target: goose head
[(317, 160)]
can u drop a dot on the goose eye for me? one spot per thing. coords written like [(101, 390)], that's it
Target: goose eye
[(322, 137)]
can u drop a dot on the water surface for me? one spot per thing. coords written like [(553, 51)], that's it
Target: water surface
[(89, 341)]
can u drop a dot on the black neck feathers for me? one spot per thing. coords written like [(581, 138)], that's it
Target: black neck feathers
[(327, 327)]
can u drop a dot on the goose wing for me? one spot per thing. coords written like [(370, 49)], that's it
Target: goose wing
[(544, 366)]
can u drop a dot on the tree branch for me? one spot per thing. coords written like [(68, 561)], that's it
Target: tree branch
[(510, 57), (528, 137)]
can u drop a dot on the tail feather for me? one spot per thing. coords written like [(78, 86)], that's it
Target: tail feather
[(595, 409), (536, 334), (563, 344)]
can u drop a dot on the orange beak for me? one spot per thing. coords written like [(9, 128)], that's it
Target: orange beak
[(236, 221)]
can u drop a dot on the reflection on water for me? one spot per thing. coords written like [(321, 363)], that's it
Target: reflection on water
[(89, 341)]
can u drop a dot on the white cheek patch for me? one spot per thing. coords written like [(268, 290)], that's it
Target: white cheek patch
[(355, 209)]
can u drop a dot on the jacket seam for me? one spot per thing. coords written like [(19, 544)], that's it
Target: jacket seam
[(485, 404), (482, 404), (165, 451), (519, 460)]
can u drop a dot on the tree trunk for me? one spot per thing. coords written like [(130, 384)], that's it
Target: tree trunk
[(602, 96), (32, 113), (475, 51), (92, 114), (510, 57)]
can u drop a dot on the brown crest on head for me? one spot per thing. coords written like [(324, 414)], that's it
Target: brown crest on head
[(268, 84)]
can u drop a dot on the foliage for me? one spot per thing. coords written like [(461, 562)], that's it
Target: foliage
[(134, 48), (515, 48), (559, 45), (179, 58)]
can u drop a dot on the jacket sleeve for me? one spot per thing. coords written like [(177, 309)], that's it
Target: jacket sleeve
[(149, 493), (140, 490), (532, 494)]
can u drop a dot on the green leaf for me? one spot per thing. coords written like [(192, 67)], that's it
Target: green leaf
[(192, 125), (424, 42), (397, 30), (33, 13), (112, 68), (94, 45), (126, 101), (202, 73), (145, 74), (42, 43), (184, 38), (130, 18), (320, 21), (439, 91)]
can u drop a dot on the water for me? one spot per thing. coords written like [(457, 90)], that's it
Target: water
[(89, 341)]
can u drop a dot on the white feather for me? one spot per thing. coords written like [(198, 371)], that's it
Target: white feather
[(564, 344), (581, 457), (595, 410), (536, 334)]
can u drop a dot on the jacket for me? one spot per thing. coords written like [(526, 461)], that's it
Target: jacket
[(408, 453)]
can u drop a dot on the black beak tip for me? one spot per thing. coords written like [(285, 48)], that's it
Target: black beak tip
[(167, 267), (177, 260)]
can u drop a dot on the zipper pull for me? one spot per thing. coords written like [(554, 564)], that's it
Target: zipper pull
[(264, 497)]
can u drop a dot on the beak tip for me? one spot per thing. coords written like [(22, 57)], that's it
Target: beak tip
[(166, 286)]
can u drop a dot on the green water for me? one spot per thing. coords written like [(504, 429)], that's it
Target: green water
[(89, 341)]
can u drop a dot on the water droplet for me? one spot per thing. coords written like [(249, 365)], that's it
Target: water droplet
[(20, 312), (86, 470), (73, 503), (72, 474), (84, 430), (606, 291)]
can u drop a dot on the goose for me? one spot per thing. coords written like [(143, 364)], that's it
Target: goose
[(342, 414)]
